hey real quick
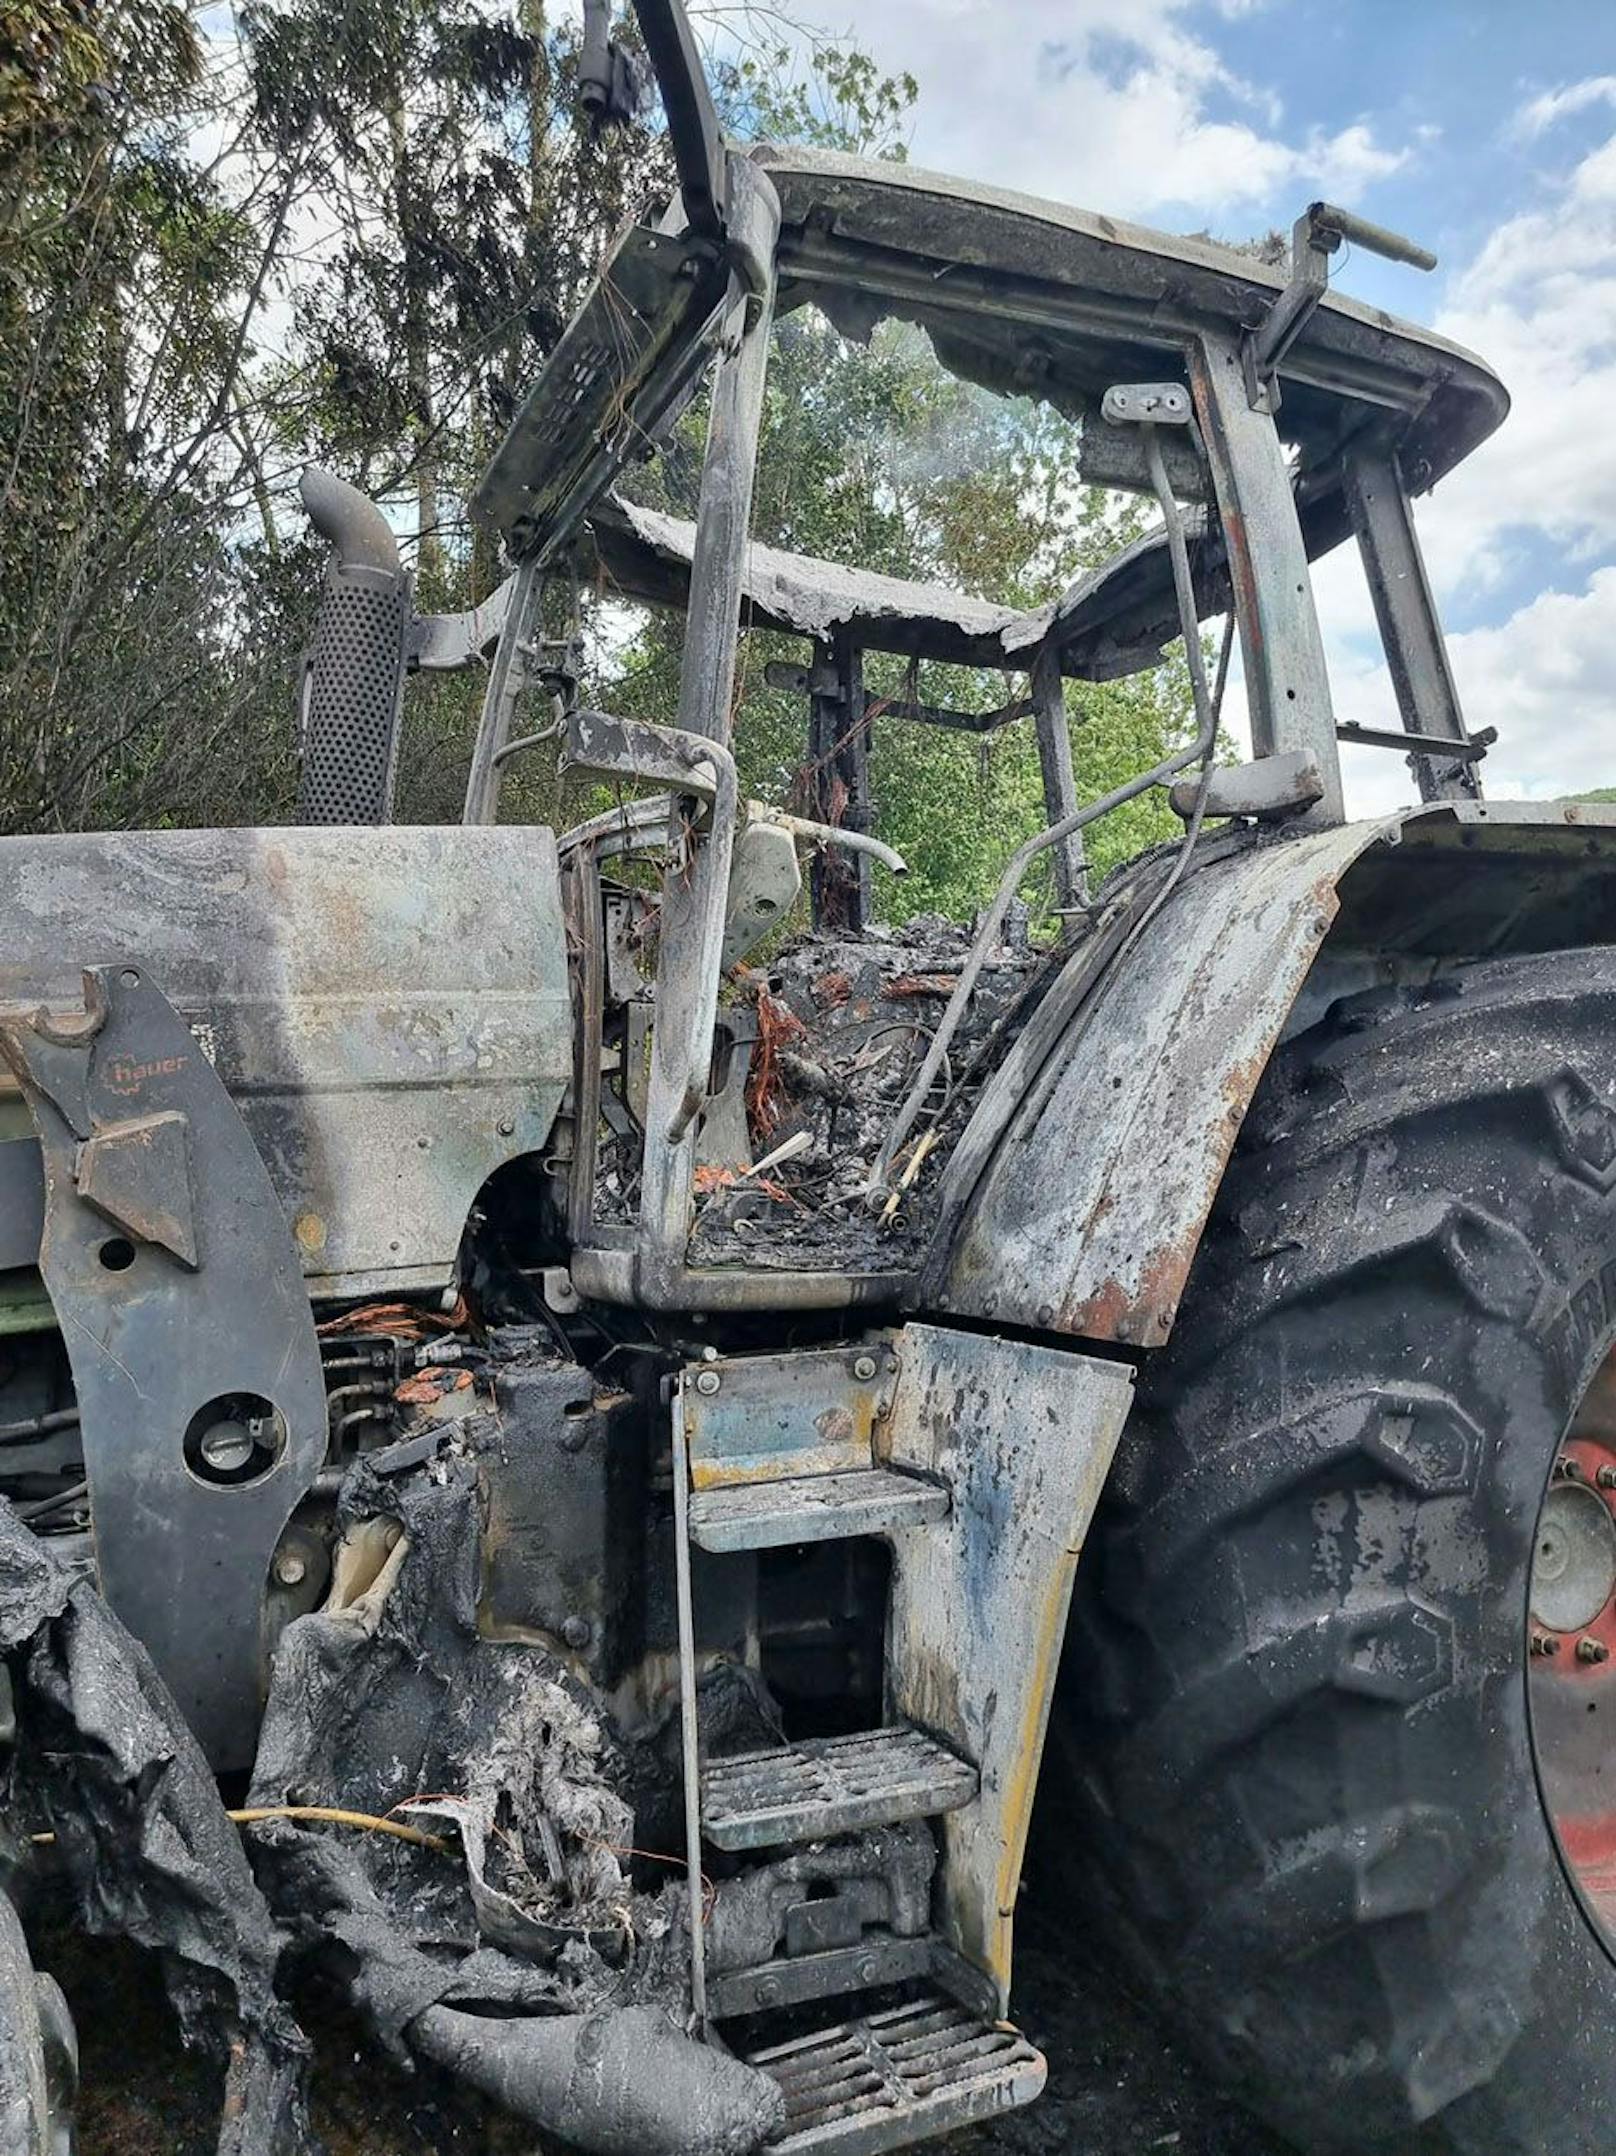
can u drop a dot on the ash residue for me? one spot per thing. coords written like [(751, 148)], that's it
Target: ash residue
[(843, 1025)]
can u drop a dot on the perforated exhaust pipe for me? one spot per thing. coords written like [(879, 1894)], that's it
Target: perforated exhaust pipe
[(353, 683)]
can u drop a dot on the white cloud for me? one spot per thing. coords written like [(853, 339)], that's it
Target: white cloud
[(1110, 104), (1544, 679), (1538, 303), (1551, 106)]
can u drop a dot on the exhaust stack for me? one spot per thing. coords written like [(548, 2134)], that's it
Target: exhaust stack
[(353, 683)]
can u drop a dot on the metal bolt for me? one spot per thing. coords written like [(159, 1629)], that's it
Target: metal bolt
[(226, 1447), (507, 1125), (863, 1367), (291, 1569), (1606, 1478), (1569, 1468), (1046, 1313), (1592, 1650), (577, 1632), (868, 1969), (1545, 1643), (768, 1993), (707, 1382)]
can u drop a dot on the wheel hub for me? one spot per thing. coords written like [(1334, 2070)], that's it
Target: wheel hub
[(1574, 1567)]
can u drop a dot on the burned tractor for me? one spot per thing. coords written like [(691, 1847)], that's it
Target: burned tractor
[(632, 1616)]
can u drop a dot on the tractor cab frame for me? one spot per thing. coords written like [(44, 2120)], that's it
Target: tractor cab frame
[(1272, 418)]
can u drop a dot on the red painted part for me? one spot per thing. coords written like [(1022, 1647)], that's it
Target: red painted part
[(1589, 1847), (1588, 1453), (1566, 1692)]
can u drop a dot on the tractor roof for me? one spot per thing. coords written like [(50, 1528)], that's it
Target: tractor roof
[(1022, 296)]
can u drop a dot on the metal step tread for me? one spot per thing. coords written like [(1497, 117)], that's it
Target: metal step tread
[(831, 1785), (898, 2076), (812, 1508)]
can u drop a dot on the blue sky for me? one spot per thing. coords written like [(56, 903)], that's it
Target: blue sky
[(1485, 129)]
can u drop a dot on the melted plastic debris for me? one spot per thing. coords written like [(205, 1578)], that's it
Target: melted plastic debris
[(844, 1023), (520, 1956), (104, 1756), (396, 1699)]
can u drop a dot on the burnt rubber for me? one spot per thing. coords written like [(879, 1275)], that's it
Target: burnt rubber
[(1292, 1767)]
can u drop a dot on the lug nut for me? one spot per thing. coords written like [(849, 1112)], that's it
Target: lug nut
[(1569, 1468), (1545, 1643), (863, 1367), (1592, 1650), (1606, 1478), (707, 1382)]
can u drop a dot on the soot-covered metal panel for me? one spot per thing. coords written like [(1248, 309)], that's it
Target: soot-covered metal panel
[(388, 1007)]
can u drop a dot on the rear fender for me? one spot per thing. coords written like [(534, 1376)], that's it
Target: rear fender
[(1078, 1195)]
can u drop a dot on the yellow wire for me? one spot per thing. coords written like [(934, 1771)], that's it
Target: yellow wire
[(332, 1815)]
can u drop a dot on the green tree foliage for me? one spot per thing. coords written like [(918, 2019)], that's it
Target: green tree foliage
[(875, 456), (355, 233), (130, 281)]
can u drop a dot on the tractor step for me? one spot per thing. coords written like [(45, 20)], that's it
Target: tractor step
[(879, 1959), (831, 1785), (888, 2079), (812, 1508)]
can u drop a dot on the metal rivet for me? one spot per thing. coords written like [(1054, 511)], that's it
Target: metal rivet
[(863, 1367), (707, 1382), (507, 1124)]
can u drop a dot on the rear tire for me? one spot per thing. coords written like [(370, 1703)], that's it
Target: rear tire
[(1292, 1758), (38, 2051)]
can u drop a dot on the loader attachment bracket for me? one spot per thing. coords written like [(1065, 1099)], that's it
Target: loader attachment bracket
[(177, 1282)]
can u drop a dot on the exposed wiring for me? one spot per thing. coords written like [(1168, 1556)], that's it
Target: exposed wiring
[(38, 1507), (331, 1814), (22, 1433), (334, 1815), (1197, 816)]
